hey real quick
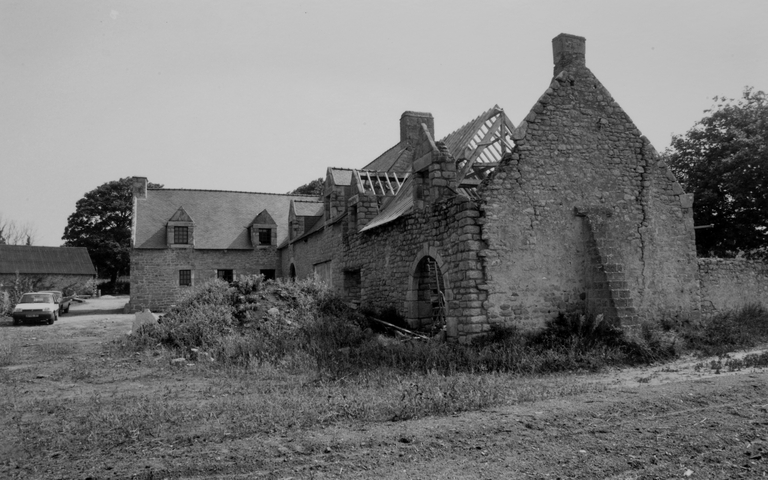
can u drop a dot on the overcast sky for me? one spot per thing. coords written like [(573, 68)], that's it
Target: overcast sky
[(264, 95)]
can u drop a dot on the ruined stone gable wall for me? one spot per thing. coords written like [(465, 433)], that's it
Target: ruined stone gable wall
[(448, 231), (730, 283), (155, 273), (577, 148)]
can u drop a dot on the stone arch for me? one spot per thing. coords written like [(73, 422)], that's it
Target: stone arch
[(421, 299)]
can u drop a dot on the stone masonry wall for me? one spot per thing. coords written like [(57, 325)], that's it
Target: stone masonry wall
[(577, 149), (387, 257), (728, 284), (323, 246), (155, 273)]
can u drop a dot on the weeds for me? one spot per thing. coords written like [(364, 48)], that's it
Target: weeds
[(725, 332)]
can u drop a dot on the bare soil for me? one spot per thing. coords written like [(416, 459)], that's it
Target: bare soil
[(678, 420)]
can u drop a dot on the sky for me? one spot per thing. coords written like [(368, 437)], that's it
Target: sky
[(263, 96)]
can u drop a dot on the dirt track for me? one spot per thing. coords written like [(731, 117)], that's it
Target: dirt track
[(672, 421)]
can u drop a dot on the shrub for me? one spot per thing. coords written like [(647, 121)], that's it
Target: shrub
[(723, 332)]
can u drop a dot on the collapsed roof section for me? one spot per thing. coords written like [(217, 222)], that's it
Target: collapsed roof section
[(477, 147)]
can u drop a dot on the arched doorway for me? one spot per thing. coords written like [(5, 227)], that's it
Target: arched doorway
[(429, 294), (292, 273)]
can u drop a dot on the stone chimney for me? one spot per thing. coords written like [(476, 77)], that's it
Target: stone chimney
[(410, 126), (568, 49), (140, 187)]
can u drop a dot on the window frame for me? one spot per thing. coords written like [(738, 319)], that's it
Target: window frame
[(185, 272), (177, 234)]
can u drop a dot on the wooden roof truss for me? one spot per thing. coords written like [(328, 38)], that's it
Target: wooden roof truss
[(379, 183), (484, 144)]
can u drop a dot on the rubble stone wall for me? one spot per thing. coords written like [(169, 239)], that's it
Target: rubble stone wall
[(577, 149), (387, 258), (155, 273), (729, 283), (324, 246)]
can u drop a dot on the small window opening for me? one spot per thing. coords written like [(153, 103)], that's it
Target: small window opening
[(265, 236), (181, 235), (185, 278), (268, 274), (226, 275)]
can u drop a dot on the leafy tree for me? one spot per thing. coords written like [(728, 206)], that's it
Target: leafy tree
[(102, 224), (315, 187), (723, 161)]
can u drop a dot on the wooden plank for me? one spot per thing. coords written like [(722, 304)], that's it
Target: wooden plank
[(386, 175), (494, 127), (359, 181)]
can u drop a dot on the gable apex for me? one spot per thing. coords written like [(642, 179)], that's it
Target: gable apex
[(181, 215), (263, 218)]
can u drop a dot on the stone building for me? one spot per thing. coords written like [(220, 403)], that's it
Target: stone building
[(183, 237), (572, 210), (495, 224), (48, 268)]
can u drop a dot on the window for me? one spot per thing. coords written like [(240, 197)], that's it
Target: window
[(269, 274), (181, 235), (185, 277), (265, 236), (226, 275)]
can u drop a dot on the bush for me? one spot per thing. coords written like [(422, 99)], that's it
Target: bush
[(724, 332)]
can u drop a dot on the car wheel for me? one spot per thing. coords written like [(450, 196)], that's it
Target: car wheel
[(67, 309), (16, 321)]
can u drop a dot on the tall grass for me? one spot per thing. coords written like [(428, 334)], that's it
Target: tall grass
[(309, 328), (724, 332)]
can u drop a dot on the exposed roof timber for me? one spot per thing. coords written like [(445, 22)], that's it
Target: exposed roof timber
[(388, 183), (471, 132), (481, 146), (488, 141)]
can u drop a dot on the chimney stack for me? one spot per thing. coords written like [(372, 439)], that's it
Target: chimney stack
[(140, 187), (568, 49), (410, 126)]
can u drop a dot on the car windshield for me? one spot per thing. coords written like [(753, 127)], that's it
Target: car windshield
[(36, 298)]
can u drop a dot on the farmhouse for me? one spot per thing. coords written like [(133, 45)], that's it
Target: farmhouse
[(495, 224), (183, 237)]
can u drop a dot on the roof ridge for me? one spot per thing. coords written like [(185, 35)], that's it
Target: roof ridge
[(229, 191)]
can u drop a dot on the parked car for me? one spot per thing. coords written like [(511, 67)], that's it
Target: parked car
[(36, 306), (64, 302)]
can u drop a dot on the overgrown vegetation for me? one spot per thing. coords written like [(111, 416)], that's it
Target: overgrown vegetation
[(251, 324)]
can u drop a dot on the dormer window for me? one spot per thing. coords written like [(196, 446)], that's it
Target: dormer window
[(181, 235), (263, 230), (181, 230), (265, 236)]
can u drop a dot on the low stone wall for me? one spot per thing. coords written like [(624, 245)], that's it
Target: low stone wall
[(729, 283)]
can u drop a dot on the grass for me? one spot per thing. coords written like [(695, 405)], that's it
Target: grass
[(314, 362)]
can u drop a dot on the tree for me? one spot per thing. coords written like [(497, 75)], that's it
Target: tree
[(723, 161), (102, 224), (315, 187), (14, 233)]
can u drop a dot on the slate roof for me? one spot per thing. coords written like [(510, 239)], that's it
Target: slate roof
[(45, 260), (341, 176), (307, 208), (221, 218), (396, 159)]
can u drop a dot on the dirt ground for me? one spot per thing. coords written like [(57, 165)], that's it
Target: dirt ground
[(679, 420)]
